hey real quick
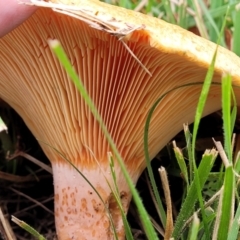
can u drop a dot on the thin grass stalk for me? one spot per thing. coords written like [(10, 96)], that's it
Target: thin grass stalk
[(200, 107), (62, 57), (201, 103), (167, 194), (181, 163), (199, 19), (234, 229), (116, 194), (214, 13), (227, 200), (226, 111), (187, 206), (214, 25), (188, 137), (168, 10), (182, 13), (146, 152), (193, 233), (236, 32), (223, 222), (28, 228), (149, 185)]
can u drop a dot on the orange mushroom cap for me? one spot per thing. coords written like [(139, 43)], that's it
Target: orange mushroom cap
[(34, 83)]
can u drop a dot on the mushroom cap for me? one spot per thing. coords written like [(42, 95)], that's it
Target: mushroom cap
[(35, 84)]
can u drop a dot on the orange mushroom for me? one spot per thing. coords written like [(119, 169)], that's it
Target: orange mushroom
[(34, 83)]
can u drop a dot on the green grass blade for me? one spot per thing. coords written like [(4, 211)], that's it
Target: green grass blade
[(226, 205), (193, 233), (214, 25), (187, 207), (147, 157), (149, 168), (181, 163), (116, 194), (149, 6), (234, 111), (169, 13), (188, 137), (237, 163), (199, 19), (182, 13), (236, 32), (201, 103), (214, 13), (234, 230), (62, 57), (28, 228), (226, 111)]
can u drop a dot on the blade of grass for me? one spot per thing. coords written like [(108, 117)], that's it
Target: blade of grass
[(237, 163), (215, 13), (168, 10), (146, 153), (225, 213), (234, 230), (116, 193), (214, 25), (236, 32), (166, 190), (181, 163), (199, 19), (226, 205), (188, 137), (200, 107), (150, 4), (226, 111), (234, 111), (28, 228), (201, 104), (192, 195), (62, 57), (194, 228), (182, 13)]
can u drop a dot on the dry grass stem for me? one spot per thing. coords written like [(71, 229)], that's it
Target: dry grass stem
[(5, 229), (15, 178), (32, 159), (218, 216), (141, 5), (222, 153), (153, 199), (32, 200), (167, 194), (34, 205), (207, 204)]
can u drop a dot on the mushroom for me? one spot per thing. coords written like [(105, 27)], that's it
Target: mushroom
[(34, 83)]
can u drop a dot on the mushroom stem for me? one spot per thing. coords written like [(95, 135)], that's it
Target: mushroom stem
[(80, 212)]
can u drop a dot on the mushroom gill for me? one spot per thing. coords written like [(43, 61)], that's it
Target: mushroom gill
[(34, 83)]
